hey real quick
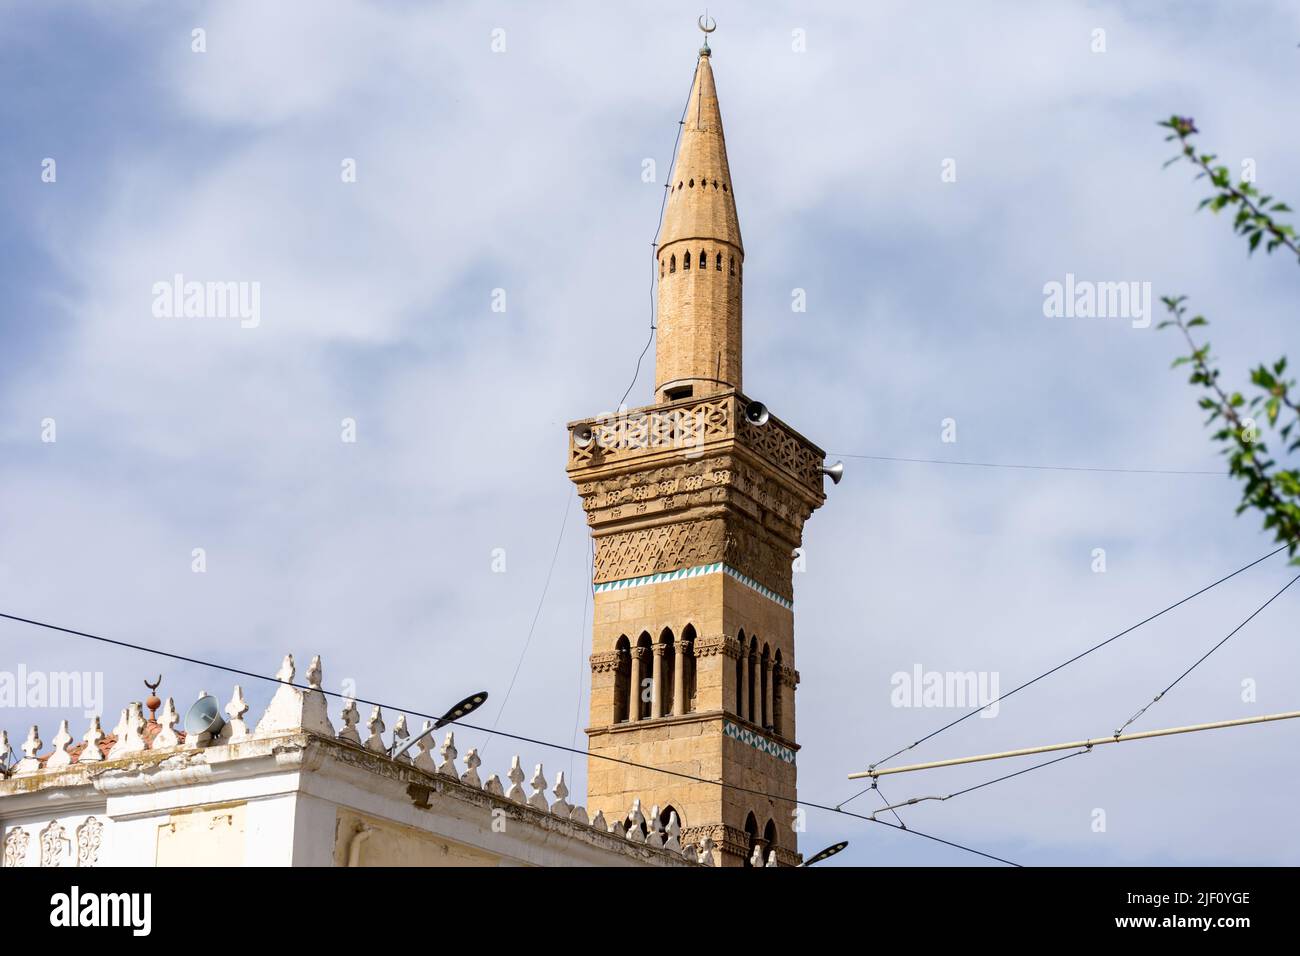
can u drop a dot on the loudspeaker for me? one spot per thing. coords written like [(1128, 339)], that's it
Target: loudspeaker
[(204, 717), (834, 472), (756, 413), (582, 435)]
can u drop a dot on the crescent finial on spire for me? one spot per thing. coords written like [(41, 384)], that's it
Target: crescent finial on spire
[(707, 25)]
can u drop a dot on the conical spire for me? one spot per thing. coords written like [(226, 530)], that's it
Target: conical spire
[(700, 258), (701, 204)]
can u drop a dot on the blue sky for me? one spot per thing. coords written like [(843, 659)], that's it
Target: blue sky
[(521, 170)]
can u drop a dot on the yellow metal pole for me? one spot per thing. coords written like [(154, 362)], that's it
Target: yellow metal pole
[(1093, 742)]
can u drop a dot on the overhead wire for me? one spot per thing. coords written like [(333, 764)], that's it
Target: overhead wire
[(491, 731), (1061, 666)]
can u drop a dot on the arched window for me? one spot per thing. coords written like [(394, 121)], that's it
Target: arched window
[(751, 837), (622, 678), (703, 260), (672, 263), (666, 814), (686, 261), (731, 269), (665, 668), (778, 702), (686, 661), (642, 673), (769, 837), (741, 678), (718, 265), (661, 268), (754, 699), (765, 689)]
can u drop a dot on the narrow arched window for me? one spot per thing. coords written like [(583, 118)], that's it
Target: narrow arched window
[(765, 689), (622, 678), (751, 837), (754, 699), (718, 266), (672, 263), (741, 664), (704, 260), (731, 269), (769, 837), (661, 268), (686, 260), (778, 702), (642, 674), (686, 660), (664, 675)]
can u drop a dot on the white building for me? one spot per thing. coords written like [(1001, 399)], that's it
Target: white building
[(293, 791)]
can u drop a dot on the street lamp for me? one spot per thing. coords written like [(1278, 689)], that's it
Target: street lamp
[(827, 853), (465, 707)]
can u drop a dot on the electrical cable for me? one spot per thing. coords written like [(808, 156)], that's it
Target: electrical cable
[(491, 731)]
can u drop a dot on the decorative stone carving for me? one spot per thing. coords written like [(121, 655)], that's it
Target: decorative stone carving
[(560, 807), (706, 851), (493, 786), (16, 842), (668, 547), (655, 837), (351, 717), (717, 644), (60, 757), (472, 763), (89, 836), (314, 673), (400, 736), (605, 662), (131, 739), (375, 742), (635, 823), (31, 747), (236, 708), (448, 753), (91, 752), (516, 777), (598, 821), (674, 833), (538, 798), (54, 844), (424, 749), (167, 735), (293, 708)]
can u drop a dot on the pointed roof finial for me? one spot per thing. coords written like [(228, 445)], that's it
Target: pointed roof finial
[(707, 25)]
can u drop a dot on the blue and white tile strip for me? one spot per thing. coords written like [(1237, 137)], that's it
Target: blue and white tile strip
[(696, 572), (757, 741)]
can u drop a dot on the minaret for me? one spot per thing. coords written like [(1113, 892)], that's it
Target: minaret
[(696, 505), (700, 258)]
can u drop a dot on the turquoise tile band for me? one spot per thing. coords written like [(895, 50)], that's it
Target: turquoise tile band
[(757, 741), (718, 568)]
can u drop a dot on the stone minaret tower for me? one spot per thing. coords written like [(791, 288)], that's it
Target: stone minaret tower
[(696, 511)]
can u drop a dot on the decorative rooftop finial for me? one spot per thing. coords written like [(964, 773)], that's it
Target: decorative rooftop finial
[(707, 25), (152, 701)]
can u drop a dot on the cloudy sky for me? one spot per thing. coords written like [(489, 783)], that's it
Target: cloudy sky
[(521, 169)]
